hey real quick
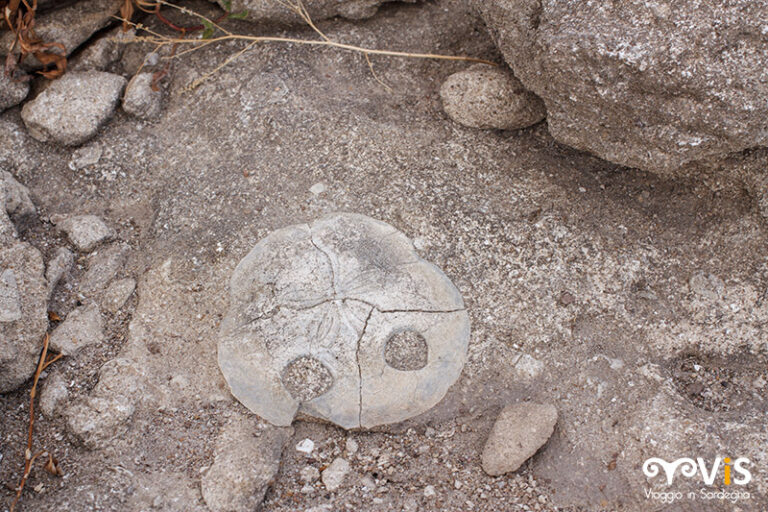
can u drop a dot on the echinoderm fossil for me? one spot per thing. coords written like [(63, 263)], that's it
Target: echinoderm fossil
[(341, 320)]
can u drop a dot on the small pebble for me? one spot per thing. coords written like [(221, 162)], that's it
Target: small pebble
[(318, 188), (306, 446)]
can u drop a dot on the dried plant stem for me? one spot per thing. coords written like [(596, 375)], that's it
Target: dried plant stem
[(295, 6), (29, 458), (333, 44)]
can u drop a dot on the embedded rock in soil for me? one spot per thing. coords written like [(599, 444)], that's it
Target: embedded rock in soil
[(100, 54), (520, 430), (647, 85), (317, 322), (105, 414), (490, 98), (333, 476), (15, 205), (73, 108), (85, 231), (23, 313), (59, 265), (141, 99), (117, 294), (271, 11), (82, 327), (246, 461)]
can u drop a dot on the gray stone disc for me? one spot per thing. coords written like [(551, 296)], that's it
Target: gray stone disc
[(317, 310)]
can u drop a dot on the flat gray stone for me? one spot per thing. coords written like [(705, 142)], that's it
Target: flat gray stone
[(488, 97), (73, 108), (336, 292), (520, 430), (246, 462), (85, 231), (82, 327)]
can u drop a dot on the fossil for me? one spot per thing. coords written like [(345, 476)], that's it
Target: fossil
[(341, 320)]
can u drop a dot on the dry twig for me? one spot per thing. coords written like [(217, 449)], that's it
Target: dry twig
[(51, 464)]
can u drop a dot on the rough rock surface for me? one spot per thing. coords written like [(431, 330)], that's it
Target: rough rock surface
[(70, 25), (491, 98), (648, 86), (23, 312), (103, 266), (140, 99), (82, 327), (12, 92), (73, 108), (100, 54), (23, 290), (105, 413), (246, 462), (53, 396), (84, 231), (15, 205), (59, 265), (314, 306), (270, 11), (520, 430), (117, 294)]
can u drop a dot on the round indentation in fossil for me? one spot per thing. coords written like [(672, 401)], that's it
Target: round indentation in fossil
[(306, 378), (406, 351)]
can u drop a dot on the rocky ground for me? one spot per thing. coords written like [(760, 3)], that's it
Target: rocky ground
[(635, 304)]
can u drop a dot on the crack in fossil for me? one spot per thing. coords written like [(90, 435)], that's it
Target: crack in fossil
[(334, 286), (360, 370)]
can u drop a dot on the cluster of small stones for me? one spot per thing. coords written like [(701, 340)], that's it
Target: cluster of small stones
[(27, 285), (341, 320)]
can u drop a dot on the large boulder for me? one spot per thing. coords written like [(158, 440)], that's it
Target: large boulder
[(652, 85)]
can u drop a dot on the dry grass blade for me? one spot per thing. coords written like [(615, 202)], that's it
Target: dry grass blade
[(51, 465)]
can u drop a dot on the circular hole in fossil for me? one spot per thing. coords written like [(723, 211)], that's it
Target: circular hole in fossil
[(406, 351), (306, 378)]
